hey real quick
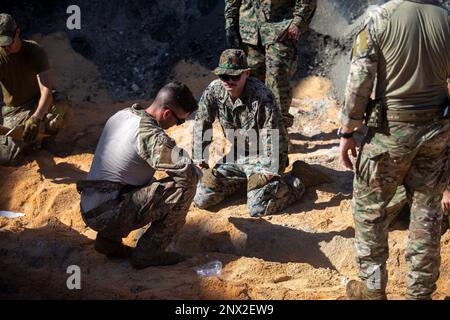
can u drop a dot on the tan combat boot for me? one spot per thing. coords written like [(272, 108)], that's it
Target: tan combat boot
[(148, 253), (357, 290), (309, 176), (113, 249)]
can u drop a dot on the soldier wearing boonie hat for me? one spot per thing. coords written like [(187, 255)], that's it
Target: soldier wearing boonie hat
[(28, 95), (232, 62), (240, 101)]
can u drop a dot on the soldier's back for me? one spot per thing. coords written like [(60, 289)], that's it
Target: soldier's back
[(414, 39)]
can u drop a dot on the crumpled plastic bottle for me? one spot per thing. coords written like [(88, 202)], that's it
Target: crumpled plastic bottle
[(211, 269)]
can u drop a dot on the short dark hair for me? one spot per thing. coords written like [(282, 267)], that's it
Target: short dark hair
[(178, 95)]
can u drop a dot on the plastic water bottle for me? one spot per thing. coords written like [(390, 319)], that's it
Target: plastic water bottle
[(211, 269)]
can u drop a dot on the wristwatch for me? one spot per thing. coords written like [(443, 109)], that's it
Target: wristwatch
[(341, 134)]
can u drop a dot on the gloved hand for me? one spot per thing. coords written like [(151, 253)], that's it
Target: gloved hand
[(31, 129), (233, 38)]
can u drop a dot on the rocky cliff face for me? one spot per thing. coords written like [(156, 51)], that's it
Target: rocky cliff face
[(135, 43)]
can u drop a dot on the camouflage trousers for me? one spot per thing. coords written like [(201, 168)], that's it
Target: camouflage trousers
[(275, 64), (163, 203), (55, 120), (228, 179), (415, 156), (400, 208)]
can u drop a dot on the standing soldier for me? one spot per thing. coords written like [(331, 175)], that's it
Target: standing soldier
[(269, 31), (404, 45), (28, 95)]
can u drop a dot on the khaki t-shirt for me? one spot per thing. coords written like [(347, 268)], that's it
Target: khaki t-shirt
[(415, 57), (18, 73)]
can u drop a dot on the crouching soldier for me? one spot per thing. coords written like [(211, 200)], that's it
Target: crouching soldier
[(243, 104), (121, 194), (28, 95)]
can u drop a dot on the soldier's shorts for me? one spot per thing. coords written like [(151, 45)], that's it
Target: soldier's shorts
[(415, 156), (275, 64), (227, 179), (163, 203), (57, 118)]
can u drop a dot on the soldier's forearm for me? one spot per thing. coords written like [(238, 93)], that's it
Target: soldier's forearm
[(303, 13), (44, 104), (231, 13)]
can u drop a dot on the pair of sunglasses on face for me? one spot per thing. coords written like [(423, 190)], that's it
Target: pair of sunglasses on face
[(179, 121), (227, 77)]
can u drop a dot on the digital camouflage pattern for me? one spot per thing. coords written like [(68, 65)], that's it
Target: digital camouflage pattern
[(227, 179), (56, 119), (413, 155), (232, 62), (265, 20), (262, 23), (255, 110)]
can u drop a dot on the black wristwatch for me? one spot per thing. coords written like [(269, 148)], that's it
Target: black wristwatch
[(340, 134)]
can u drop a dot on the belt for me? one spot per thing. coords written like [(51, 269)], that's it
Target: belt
[(105, 206), (413, 115)]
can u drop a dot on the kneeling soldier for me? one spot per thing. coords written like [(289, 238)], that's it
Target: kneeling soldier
[(243, 104), (28, 95)]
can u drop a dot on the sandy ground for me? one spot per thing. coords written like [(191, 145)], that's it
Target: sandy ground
[(306, 252)]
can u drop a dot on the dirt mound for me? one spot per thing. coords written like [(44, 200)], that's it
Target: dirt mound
[(304, 253)]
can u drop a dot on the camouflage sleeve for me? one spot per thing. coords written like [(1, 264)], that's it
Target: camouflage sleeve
[(303, 13), (161, 153), (232, 13), (273, 139), (361, 79), (204, 120)]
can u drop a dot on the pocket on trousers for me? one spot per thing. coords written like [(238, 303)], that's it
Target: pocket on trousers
[(371, 165)]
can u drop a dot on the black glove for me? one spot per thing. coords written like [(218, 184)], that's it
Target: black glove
[(31, 130), (233, 38)]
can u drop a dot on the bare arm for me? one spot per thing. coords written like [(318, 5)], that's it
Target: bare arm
[(45, 81)]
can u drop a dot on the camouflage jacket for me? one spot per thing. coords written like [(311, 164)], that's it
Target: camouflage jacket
[(370, 65), (267, 18), (255, 111)]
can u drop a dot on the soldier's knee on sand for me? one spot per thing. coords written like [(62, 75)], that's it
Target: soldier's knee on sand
[(204, 200)]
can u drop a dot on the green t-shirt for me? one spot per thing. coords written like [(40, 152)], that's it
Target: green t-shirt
[(18, 73)]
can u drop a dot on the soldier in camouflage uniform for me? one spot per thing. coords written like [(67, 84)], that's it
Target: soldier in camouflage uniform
[(28, 94), (243, 104), (269, 31), (404, 45), (120, 193)]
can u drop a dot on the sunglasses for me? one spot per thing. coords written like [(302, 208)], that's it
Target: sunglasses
[(227, 77), (179, 121)]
